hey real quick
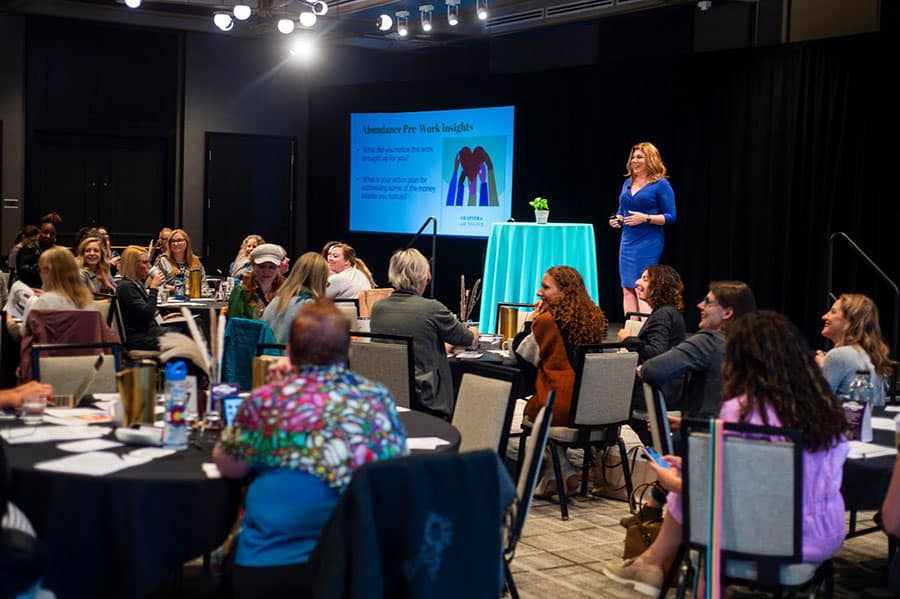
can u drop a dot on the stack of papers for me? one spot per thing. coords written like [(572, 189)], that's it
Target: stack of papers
[(859, 450), (45, 434)]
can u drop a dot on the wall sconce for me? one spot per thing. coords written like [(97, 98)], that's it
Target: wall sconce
[(402, 22), (425, 16), (481, 9), (452, 12)]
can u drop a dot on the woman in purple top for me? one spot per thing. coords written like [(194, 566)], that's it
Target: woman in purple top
[(646, 205), (772, 378)]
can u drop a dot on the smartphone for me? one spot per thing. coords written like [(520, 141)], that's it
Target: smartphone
[(654, 455)]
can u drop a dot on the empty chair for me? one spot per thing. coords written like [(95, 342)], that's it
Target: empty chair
[(68, 372), (242, 336), (386, 359), (483, 413)]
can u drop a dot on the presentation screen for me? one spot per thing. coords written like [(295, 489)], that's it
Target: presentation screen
[(455, 165)]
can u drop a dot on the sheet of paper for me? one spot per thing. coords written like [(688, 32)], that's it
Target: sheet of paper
[(88, 445), (892, 409), (92, 463), (63, 417), (151, 452), (44, 434), (859, 450), (425, 443), (883, 424), (211, 470), (469, 355), (402, 409)]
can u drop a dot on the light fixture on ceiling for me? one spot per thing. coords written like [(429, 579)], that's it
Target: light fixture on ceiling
[(704, 4), (241, 12), (425, 11), (402, 22), (285, 26), (304, 48), (223, 21), (481, 9), (319, 7), (307, 18), (133, 3), (384, 23), (452, 12)]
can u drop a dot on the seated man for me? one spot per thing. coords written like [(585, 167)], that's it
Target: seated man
[(303, 436), (699, 358)]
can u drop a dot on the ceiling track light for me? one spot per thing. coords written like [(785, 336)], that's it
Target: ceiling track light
[(241, 12), (402, 22), (452, 12), (319, 7), (223, 21), (133, 3), (481, 9), (286, 26), (425, 12), (308, 18), (384, 23)]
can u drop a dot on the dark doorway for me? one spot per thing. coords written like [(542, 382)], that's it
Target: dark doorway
[(249, 189)]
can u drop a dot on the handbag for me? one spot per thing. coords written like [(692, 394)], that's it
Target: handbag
[(641, 534)]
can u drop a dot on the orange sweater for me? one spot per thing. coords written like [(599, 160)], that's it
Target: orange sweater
[(554, 372)]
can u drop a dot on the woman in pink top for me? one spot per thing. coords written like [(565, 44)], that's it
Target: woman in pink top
[(771, 375)]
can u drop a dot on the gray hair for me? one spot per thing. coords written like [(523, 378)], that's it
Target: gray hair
[(408, 270)]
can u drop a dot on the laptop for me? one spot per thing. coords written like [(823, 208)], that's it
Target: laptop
[(230, 407)]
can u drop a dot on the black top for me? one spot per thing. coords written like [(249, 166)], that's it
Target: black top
[(662, 331), (138, 308), (27, 269)]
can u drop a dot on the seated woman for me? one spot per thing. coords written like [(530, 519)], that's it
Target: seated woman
[(349, 274), (63, 289), (161, 245), (179, 260), (328, 422), (241, 264), (771, 379), (660, 287), (250, 298), (564, 318), (138, 305), (429, 323), (852, 325), (305, 284), (94, 267)]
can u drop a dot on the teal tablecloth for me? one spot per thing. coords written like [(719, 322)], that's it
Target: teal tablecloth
[(518, 254)]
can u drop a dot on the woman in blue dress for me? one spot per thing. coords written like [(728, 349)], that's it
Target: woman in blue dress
[(646, 205)]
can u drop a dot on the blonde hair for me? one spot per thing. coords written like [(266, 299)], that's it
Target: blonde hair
[(128, 263), (310, 273), (190, 259), (242, 258), (656, 168), (408, 270), (103, 265), (355, 262), (60, 273), (864, 330)]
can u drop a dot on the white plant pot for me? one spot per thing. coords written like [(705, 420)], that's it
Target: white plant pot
[(541, 216)]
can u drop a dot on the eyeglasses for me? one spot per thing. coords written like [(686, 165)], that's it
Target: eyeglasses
[(709, 302), (177, 241)]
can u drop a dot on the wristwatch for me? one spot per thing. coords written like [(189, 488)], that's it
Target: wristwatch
[(648, 218)]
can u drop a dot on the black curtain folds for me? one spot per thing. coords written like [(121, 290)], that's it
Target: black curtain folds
[(769, 150)]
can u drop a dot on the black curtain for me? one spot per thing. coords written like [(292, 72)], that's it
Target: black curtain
[(769, 151)]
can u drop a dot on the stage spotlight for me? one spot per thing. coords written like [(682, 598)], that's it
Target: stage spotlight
[(481, 9), (133, 3), (307, 18), (425, 16), (241, 12), (402, 22), (452, 12), (320, 8), (223, 21), (384, 23), (285, 26), (304, 48)]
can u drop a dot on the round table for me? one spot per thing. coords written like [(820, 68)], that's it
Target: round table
[(124, 534)]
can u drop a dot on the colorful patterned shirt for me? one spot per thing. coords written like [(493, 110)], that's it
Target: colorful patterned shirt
[(325, 420)]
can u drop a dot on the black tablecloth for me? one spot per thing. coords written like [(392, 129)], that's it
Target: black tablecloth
[(866, 480), (124, 534)]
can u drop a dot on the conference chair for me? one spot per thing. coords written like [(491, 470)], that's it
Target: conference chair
[(601, 404), (658, 415), (529, 472), (117, 325), (349, 307), (68, 366), (483, 412), (632, 325), (60, 326), (761, 536), (423, 526), (242, 336), (386, 359)]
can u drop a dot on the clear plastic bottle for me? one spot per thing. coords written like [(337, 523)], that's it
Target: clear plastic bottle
[(176, 434)]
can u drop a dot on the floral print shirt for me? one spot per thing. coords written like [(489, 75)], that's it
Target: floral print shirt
[(325, 420)]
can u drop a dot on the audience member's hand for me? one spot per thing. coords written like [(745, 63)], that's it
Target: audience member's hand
[(670, 478), (622, 335), (172, 315), (639, 372), (13, 398), (157, 279), (674, 422), (820, 357), (37, 292), (279, 370)]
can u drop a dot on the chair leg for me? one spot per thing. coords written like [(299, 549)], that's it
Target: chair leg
[(586, 463), (625, 469), (521, 453), (560, 482), (510, 583)]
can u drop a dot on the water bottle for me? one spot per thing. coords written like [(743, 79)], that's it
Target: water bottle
[(862, 392), (180, 291), (175, 435)]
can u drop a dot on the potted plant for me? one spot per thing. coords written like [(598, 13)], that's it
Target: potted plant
[(541, 210)]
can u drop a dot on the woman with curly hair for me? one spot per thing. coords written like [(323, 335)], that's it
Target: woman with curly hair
[(852, 325), (250, 298), (772, 380), (661, 288), (564, 318)]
